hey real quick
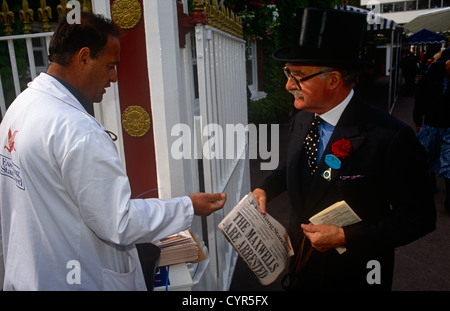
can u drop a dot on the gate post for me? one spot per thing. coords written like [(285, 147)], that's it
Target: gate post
[(169, 108), (134, 95)]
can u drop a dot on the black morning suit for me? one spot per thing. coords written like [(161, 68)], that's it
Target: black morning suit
[(384, 180)]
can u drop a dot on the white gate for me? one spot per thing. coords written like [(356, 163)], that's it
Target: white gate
[(223, 111)]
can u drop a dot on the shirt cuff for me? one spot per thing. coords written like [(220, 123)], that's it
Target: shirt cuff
[(189, 210)]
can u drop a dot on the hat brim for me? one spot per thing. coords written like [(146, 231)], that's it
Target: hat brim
[(295, 54)]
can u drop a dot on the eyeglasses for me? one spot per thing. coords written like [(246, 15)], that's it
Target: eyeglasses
[(297, 81)]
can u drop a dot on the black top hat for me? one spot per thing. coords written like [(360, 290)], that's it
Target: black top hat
[(326, 37)]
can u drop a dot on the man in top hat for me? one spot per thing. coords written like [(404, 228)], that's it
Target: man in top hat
[(363, 156)]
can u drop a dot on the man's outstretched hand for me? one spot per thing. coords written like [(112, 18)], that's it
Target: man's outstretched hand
[(207, 203)]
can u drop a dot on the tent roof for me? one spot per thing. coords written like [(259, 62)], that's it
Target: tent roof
[(424, 36), (384, 22), (437, 21)]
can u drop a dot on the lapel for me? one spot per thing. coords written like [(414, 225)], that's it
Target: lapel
[(304, 122), (297, 136), (295, 165), (349, 128)]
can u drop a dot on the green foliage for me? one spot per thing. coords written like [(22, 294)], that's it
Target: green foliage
[(5, 69), (260, 19), (275, 108)]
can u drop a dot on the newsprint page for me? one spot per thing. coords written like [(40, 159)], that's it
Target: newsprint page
[(261, 241)]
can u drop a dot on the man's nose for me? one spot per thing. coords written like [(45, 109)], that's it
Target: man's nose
[(291, 85), (113, 75)]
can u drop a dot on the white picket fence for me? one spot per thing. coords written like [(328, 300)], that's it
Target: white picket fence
[(223, 106)]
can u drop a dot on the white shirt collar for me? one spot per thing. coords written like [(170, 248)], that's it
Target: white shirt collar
[(332, 116)]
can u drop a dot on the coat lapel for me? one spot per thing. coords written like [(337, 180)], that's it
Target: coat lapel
[(296, 167), (349, 128), (299, 132)]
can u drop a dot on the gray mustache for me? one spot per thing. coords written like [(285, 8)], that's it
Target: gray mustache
[(297, 94)]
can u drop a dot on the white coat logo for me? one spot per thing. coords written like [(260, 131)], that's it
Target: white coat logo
[(7, 166), (11, 142)]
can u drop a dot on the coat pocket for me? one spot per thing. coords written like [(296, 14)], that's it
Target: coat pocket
[(116, 281)]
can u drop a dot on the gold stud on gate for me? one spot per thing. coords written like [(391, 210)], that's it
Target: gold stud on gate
[(136, 121), (126, 13)]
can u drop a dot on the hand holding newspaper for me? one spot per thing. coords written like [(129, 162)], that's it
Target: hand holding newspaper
[(261, 241)]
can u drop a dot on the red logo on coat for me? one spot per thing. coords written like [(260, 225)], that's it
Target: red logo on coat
[(11, 137)]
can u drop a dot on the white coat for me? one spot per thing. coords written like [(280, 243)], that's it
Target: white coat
[(67, 220)]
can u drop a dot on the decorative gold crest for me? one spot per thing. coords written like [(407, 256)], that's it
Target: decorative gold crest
[(136, 121), (126, 13)]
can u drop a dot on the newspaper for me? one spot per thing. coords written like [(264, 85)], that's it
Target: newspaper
[(178, 248), (261, 241), (339, 214)]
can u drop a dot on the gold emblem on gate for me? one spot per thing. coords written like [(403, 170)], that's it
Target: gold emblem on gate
[(126, 13), (136, 121)]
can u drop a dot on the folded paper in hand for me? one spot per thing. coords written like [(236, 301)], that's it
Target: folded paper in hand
[(339, 214), (261, 241)]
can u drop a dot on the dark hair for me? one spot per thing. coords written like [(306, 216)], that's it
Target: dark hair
[(92, 32)]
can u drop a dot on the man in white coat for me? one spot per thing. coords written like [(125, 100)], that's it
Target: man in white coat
[(65, 197)]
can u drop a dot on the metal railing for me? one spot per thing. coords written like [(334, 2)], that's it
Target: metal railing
[(25, 32), (36, 45)]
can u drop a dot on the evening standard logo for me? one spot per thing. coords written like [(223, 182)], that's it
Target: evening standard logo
[(9, 169)]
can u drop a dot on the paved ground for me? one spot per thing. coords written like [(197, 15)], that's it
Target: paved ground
[(423, 265)]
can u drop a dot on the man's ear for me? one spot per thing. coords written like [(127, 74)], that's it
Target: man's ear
[(84, 56), (334, 79)]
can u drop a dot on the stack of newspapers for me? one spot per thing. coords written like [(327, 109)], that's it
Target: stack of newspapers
[(178, 248)]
